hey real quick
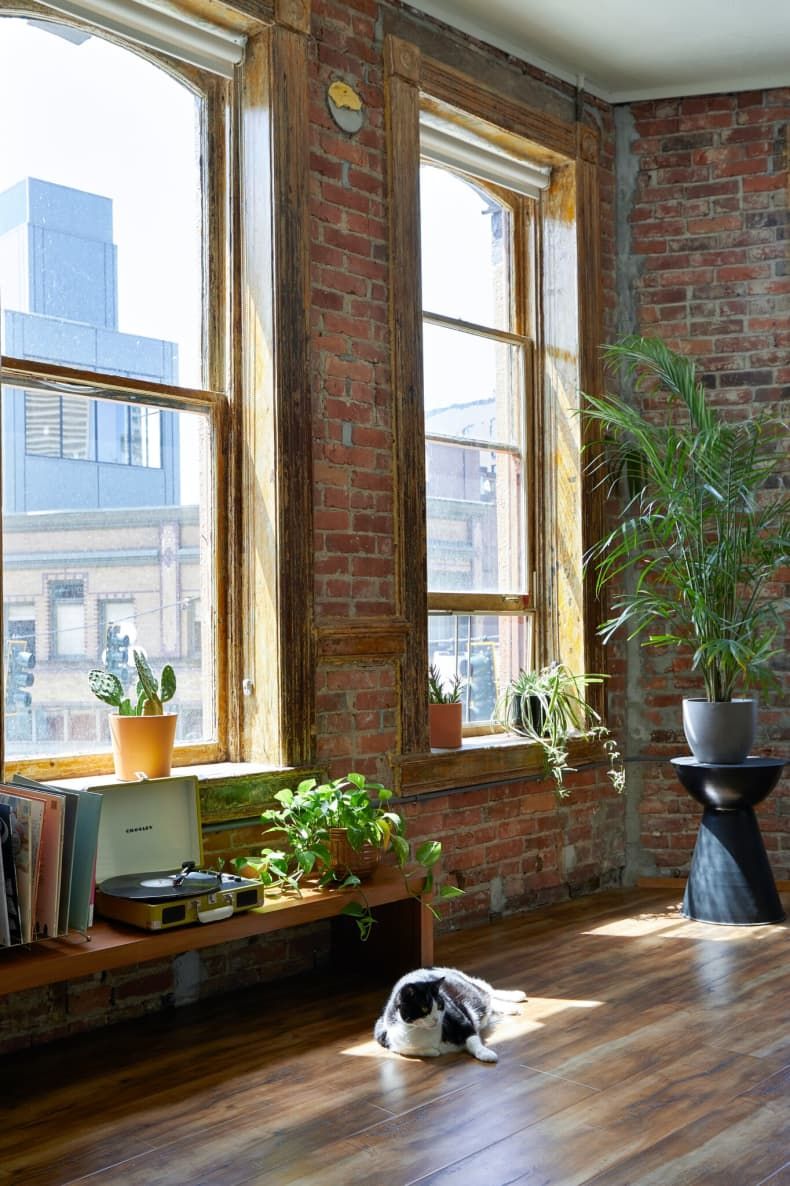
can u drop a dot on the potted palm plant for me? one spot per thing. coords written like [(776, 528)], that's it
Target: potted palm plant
[(336, 833), (703, 533), (142, 733), (549, 708)]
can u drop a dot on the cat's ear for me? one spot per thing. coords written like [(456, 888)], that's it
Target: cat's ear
[(437, 984)]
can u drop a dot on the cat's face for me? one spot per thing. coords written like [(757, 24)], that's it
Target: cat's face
[(419, 1003)]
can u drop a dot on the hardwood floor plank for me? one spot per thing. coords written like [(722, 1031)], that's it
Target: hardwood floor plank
[(649, 1046)]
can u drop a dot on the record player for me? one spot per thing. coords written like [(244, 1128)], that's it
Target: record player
[(154, 824)]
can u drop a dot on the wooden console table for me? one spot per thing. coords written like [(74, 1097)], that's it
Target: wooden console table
[(402, 938)]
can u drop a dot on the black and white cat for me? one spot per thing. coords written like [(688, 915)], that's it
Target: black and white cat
[(435, 1011)]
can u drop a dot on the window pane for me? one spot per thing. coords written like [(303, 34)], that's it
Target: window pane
[(100, 207), (466, 250), (485, 650), (475, 520), (91, 544), (473, 386)]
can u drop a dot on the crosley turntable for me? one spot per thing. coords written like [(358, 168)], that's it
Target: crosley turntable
[(155, 824)]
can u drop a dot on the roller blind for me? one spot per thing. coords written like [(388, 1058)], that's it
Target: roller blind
[(163, 28), (446, 144)]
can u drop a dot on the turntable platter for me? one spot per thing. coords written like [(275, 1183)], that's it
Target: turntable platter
[(162, 886)]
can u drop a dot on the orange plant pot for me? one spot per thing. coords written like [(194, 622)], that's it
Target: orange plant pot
[(446, 725), (142, 745)]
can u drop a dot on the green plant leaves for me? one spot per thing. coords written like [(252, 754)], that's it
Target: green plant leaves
[(705, 526)]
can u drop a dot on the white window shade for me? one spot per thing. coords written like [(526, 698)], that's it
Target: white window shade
[(166, 29), (446, 144)]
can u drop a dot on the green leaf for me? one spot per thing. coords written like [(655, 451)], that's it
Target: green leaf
[(354, 910), (450, 891), (168, 682), (429, 852)]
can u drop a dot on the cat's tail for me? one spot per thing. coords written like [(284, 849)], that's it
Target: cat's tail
[(508, 994)]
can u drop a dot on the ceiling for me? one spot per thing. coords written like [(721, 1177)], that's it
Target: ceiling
[(624, 50)]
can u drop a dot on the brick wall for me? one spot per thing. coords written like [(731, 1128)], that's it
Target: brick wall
[(704, 185)]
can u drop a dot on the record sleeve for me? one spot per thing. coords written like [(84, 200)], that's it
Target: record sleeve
[(9, 875), (46, 901), (26, 824)]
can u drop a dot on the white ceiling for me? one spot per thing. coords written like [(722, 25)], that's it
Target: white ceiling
[(623, 50)]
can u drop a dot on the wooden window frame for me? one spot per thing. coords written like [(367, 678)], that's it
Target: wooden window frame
[(524, 318), (570, 221), (257, 397)]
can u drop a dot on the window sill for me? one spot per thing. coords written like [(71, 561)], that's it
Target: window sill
[(228, 790), (490, 758)]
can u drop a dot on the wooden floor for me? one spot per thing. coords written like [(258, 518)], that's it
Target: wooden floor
[(652, 1052)]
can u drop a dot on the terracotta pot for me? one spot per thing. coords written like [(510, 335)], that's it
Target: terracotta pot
[(362, 862), (445, 722), (143, 745)]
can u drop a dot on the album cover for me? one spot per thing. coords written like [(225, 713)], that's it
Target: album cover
[(46, 898), (10, 898), (26, 823), (71, 800)]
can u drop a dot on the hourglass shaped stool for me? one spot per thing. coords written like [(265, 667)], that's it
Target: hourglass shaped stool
[(730, 880)]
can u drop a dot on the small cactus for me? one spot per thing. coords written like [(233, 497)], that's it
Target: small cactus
[(150, 696)]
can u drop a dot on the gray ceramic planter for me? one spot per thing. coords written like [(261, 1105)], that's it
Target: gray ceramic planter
[(720, 732)]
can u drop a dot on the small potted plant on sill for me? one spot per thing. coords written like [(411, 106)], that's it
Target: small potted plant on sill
[(445, 711), (142, 733), (549, 707), (336, 834)]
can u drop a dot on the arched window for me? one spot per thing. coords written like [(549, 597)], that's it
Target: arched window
[(113, 323), (477, 358)]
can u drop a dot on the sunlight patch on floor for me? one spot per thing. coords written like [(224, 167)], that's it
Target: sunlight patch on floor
[(532, 1016)]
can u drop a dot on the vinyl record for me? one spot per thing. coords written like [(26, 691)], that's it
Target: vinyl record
[(161, 887)]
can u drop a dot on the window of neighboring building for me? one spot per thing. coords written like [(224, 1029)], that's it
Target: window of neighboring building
[(68, 620), (477, 354)]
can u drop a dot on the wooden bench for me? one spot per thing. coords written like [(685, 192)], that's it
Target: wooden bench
[(401, 940)]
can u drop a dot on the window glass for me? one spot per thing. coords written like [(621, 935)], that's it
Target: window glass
[(141, 539), (475, 525), (474, 360), (100, 207), (464, 276), (485, 650)]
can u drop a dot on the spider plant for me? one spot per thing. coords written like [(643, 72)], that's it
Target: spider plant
[(548, 707), (705, 526)]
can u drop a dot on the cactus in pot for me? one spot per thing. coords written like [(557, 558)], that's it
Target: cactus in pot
[(152, 694)]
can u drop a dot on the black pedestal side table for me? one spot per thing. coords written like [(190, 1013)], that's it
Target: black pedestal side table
[(730, 879)]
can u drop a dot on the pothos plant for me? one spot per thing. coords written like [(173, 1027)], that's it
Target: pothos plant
[(303, 821)]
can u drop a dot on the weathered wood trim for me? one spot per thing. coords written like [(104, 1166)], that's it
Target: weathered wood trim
[(293, 15), (590, 379), (362, 638), (459, 90), (402, 106), (280, 658), (477, 765)]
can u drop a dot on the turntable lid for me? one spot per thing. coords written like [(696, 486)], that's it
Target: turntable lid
[(151, 824)]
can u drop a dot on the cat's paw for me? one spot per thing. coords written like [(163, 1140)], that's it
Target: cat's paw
[(486, 1054)]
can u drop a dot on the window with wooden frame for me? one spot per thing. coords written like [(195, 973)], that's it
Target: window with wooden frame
[(496, 306), (479, 321), (138, 368)]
